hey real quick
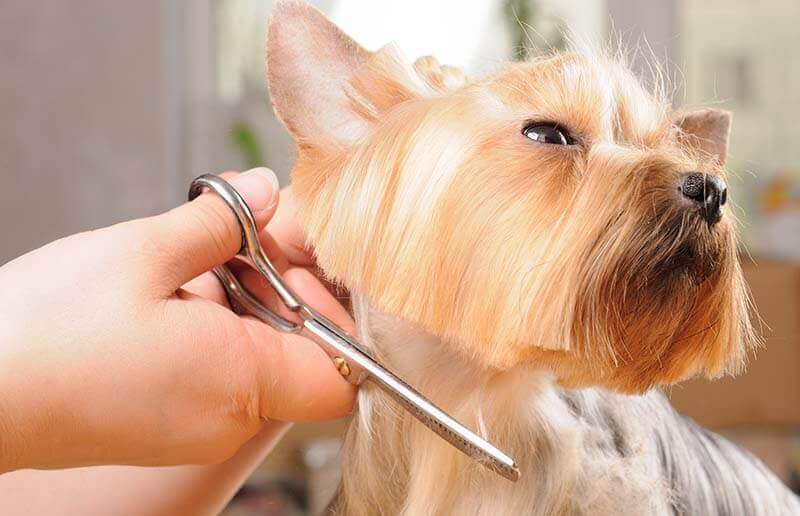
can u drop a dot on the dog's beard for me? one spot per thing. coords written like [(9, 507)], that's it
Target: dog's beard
[(656, 298), (669, 255)]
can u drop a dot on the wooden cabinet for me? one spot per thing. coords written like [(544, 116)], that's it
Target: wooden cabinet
[(768, 393)]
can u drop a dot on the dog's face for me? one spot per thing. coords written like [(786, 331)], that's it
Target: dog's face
[(555, 213)]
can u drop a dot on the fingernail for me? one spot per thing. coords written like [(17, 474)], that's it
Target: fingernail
[(259, 187)]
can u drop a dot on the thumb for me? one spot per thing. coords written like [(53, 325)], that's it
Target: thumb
[(199, 235)]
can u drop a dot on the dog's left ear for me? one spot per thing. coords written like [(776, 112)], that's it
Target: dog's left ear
[(310, 63), (707, 130), (327, 89)]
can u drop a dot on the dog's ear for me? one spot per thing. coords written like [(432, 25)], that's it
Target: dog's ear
[(310, 63), (327, 89), (707, 130)]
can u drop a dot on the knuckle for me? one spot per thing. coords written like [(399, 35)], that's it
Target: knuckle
[(153, 249), (268, 390), (245, 412), (235, 406), (274, 393), (244, 400), (218, 225), (140, 246), (245, 409), (145, 243)]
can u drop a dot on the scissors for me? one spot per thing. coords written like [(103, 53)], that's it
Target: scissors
[(350, 358)]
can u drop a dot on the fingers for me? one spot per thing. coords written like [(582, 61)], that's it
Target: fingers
[(208, 286), (298, 380), (199, 235), (312, 387), (315, 294), (286, 394), (286, 231), (310, 289)]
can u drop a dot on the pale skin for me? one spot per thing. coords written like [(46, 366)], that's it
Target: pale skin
[(117, 347)]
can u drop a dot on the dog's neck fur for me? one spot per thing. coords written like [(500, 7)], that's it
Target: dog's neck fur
[(397, 466), (580, 452)]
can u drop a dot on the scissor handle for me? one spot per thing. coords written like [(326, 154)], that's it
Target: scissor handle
[(251, 247), (242, 300)]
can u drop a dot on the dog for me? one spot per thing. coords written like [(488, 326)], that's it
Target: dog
[(537, 251)]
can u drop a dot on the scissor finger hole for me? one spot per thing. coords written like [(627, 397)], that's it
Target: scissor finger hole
[(243, 301), (260, 288)]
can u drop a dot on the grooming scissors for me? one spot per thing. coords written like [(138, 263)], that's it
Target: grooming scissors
[(352, 361)]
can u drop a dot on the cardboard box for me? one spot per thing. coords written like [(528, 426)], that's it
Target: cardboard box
[(768, 394)]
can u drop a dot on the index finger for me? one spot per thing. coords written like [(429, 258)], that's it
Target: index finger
[(287, 232)]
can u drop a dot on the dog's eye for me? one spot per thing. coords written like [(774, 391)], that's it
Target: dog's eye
[(548, 133)]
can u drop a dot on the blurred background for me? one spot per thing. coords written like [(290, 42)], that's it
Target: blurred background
[(109, 109)]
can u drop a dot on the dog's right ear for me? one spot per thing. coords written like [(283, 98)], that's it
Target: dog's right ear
[(707, 130), (310, 63)]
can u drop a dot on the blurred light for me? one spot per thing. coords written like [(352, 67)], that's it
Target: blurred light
[(452, 30), (240, 30)]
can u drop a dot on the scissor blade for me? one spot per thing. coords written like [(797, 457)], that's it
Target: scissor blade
[(420, 407)]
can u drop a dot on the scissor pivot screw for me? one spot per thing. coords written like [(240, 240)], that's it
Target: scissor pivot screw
[(341, 366)]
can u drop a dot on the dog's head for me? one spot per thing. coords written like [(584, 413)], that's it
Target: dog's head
[(554, 213)]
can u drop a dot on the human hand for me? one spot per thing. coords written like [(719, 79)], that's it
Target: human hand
[(117, 346)]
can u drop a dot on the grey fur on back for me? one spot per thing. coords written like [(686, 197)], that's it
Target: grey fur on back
[(707, 474)]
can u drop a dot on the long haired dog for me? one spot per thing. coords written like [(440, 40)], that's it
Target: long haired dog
[(535, 251)]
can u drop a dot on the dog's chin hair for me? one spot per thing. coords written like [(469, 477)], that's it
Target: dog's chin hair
[(580, 452)]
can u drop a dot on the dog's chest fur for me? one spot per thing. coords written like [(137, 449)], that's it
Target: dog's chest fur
[(580, 452)]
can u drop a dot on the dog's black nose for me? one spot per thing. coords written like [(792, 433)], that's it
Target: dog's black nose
[(708, 192)]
